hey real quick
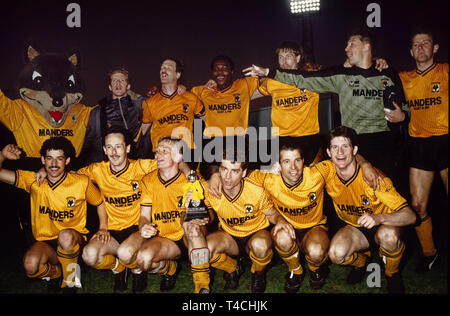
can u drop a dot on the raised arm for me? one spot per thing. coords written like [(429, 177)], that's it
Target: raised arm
[(10, 152)]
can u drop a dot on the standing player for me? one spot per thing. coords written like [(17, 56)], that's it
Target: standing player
[(168, 112), (426, 92), (295, 111), (361, 210), (360, 89), (58, 213)]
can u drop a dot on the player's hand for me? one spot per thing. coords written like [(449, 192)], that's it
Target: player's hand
[(211, 84), (103, 235), (148, 230), (192, 227), (381, 64), (40, 176), (215, 185), (181, 89), (372, 176), (394, 116), (188, 198), (255, 71), (276, 169), (152, 91), (368, 221), (11, 152), (284, 225)]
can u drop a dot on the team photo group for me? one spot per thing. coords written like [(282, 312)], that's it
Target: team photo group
[(131, 163)]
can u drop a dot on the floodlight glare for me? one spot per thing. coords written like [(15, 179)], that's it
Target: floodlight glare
[(304, 6)]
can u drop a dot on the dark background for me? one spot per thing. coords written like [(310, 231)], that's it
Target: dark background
[(139, 34)]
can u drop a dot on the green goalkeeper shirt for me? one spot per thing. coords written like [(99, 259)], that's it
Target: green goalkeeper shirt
[(360, 92)]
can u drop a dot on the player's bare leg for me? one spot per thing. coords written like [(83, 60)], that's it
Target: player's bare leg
[(348, 247), (289, 251), (420, 182), (69, 244), (158, 255), (259, 248), (315, 246), (223, 248), (40, 261), (391, 250)]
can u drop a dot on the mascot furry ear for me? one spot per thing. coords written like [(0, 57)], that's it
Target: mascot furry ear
[(50, 89), (51, 84)]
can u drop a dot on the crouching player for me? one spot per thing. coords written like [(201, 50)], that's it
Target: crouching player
[(369, 216), (245, 212), (58, 213), (161, 213)]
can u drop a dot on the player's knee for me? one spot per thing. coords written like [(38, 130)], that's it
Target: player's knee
[(388, 237), (66, 239), (283, 240), (90, 255), (31, 264), (337, 253), (316, 251), (260, 247), (125, 254), (419, 207), (144, 260)]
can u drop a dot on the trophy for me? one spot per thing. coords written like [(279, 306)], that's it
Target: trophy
[(196, 207)]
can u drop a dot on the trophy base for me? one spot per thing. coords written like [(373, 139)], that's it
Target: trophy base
[(196, 212)]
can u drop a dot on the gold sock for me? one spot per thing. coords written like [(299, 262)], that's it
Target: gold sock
[(200, 275), (357, 259), (259, 264), (170, 267), (425, 235), (68, 258), (223, 262), (47, 270), (392, 259), (312, 266), (110, 262), (291, 258)]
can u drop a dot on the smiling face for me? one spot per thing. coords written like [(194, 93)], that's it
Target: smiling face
[(222, 74), (342, 152), (51, 84), (355, 50), (291, 163), (55, 163)]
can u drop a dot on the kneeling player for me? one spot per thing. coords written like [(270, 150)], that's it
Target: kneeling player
[(362, 209), (58, 213)]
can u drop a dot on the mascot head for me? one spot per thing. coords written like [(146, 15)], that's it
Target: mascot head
[(51, 84)]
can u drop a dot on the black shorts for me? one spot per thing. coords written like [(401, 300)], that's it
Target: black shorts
[(183, 250), (429, 153), (121, 235), (300, 233), (242, 241)]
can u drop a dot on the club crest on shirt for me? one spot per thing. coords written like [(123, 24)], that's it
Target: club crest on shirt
[(185, 107), (248, 208), (237, 97), (365, 200), (135, 185), (353, 83), (70, 201), (312, 197), (435, 87)]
